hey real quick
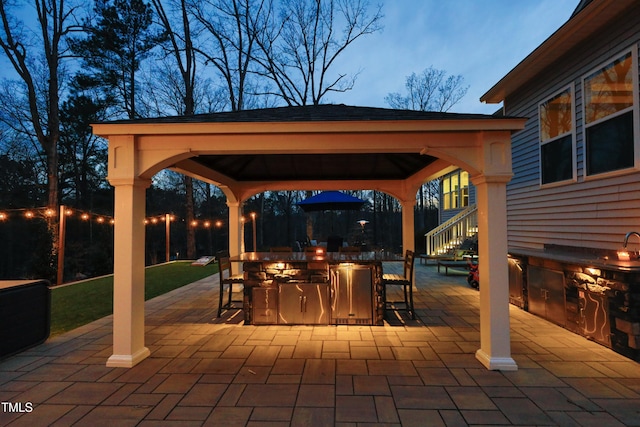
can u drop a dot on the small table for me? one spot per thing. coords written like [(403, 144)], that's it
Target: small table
[(456, 264), (425, 258)]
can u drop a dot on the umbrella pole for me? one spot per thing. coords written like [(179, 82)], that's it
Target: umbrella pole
[(309, 227)]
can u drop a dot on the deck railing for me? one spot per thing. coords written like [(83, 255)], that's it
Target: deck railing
[(450, 235)]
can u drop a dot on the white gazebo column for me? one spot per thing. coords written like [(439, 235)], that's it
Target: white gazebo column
[(128, 272), (408, 229), (236, 229), (495, 341)]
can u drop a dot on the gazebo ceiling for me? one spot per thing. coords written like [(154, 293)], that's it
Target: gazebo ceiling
[(317, 167)]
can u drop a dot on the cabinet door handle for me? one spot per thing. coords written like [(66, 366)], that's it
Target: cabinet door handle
[(545, 294), (301, 304), (304, 304)]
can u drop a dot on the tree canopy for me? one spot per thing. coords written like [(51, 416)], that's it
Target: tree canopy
[(74, 63)]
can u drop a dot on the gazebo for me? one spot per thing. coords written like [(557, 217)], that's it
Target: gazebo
[(319, 147)]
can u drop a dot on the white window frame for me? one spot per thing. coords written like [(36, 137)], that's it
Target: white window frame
[(572, 132), (636, 115)]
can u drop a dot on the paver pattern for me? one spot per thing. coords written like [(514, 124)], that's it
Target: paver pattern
[(205, 371)]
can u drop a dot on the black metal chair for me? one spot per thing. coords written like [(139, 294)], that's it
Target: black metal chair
[(227, 280), (406, 282)]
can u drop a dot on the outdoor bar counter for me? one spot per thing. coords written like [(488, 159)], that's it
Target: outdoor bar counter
[(588, 291), (328, 288)]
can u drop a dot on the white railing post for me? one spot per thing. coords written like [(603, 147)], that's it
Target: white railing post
[(452, 233)]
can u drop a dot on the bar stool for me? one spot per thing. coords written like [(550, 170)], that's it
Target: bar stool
[(404, 280), (225, 265)]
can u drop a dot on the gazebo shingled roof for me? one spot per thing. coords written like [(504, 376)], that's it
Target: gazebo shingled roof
[(310, 113)]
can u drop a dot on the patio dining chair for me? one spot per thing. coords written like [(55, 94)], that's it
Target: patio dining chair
[(405, 281), (227, 280)]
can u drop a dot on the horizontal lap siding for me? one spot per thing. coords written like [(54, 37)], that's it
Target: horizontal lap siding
[(595, 213), (590, 214)]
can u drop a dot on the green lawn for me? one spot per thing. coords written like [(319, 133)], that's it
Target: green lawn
[(78, 304)]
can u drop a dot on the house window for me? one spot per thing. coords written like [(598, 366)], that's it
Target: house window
[(608, 115), (455, 190), (556, 138)]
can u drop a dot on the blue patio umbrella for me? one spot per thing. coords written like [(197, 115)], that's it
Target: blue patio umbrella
[(331, 201)]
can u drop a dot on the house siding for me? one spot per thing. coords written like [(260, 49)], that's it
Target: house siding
[(594, 212)]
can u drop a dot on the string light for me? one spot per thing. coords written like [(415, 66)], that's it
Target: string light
[(49, 213), (206, 223)]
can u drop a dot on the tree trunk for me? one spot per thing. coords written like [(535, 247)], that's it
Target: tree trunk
[(191, 230)]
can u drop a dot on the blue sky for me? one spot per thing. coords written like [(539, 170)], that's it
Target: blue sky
[(480, 39)]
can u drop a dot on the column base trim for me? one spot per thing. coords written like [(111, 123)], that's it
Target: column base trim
[(128, 360), (496, 363)]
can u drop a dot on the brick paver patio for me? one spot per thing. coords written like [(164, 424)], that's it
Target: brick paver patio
[(205, 371)]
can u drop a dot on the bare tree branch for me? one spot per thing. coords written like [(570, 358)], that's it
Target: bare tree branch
[(299, 51), (53, 18), (232, 27), (432, 90)]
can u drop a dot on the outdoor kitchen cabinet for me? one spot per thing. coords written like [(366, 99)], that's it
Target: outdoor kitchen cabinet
[(303, 303), (546, 294)]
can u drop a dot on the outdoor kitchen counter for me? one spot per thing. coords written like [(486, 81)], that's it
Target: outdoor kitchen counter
[(584, 258), (308, 288), (328, 257), (590, 292)]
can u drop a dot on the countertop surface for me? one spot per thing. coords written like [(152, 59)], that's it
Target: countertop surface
[(329, 257), (569, 257)]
